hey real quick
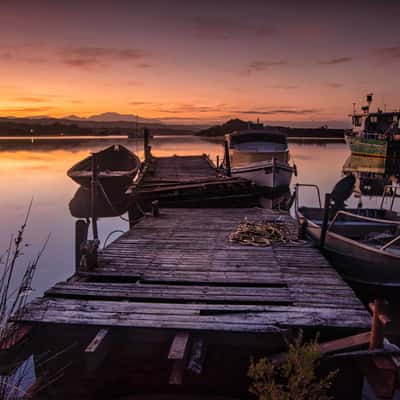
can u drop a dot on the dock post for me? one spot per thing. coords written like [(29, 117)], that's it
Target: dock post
[(93, 197), (227, 159), (217, 161), (146, 145), (131, 216), (155, 209), (81, 233), (377, 328), (325, 221)]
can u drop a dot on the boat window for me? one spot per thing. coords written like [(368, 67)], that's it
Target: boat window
[(258, 137), (356, 120), (374, 119)]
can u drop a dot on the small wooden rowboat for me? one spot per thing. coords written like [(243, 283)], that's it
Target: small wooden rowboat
[(116, 167), (363, 244)]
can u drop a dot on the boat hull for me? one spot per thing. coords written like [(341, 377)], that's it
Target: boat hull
[(109, 183), (267, 174), (116, 167), (367, 147), (355, 261)]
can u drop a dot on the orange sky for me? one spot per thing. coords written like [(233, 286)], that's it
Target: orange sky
[(198, 62)]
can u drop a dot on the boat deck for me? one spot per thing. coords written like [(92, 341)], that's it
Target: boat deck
[(179, 271)]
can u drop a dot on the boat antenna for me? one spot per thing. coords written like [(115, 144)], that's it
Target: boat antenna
[(354, 108)]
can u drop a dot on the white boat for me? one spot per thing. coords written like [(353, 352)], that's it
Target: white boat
[(261, 156)]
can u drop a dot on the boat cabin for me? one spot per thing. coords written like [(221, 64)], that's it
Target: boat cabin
[(258, 141), (376, 123), (249, 146)]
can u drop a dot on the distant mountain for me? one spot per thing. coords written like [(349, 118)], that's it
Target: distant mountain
[(113, 117)]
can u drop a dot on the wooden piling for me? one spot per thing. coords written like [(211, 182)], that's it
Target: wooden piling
[(146, 145), (155, 209), (81, 235), (93, 197), (325, 221), (227, 159), (377, 329)]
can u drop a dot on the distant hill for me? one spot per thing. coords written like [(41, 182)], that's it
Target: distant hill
[(101, 124), (113, 117), (237, 124)]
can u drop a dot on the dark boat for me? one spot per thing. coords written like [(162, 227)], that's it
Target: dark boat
[(363, 244), (110, 204), (116, 167)]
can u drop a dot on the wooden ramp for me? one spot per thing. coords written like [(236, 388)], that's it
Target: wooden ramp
[(179, 271), (181, 181)]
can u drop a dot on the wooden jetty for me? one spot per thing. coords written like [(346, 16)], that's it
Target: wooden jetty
[(187, 181), (173, 305)]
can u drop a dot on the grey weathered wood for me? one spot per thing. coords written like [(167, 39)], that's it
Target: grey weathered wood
[(97, 340), (179, 346), (180, 271), (96, 351)]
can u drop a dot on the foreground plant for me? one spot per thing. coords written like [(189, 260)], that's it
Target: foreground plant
[(295, 378)]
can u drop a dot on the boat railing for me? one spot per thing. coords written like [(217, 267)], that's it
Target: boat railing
[(391, 243), (362, 218), (393, 192), (297, 192)]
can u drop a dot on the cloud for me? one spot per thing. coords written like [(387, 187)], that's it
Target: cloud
[(189, 108), (224, 28), (88, 57), (12, 110), (334, 61), (388, 53), (278, 111), (143, 65), (141, 103), (230, 110), (31, 99), (334, 85), (261, 65), (11, 54), (283, 87), (134, 83)]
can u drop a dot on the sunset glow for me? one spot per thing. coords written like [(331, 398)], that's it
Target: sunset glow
[(192, 62)]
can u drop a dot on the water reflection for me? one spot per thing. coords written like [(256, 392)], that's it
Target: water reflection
[(39, 170), (372, 173)]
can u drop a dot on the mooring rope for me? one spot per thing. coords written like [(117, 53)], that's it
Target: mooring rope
[(262, 233)]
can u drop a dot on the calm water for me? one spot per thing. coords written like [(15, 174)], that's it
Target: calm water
[(38, 170)]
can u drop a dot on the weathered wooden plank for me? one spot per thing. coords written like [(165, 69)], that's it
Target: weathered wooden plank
[(189, 277), (179, 346), (97, 340), (190, 316)]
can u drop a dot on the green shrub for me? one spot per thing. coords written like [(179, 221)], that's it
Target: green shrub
[(293, 379)]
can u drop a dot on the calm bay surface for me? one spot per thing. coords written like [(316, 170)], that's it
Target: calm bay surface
[(37, 169)]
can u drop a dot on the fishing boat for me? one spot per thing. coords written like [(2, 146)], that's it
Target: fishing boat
[(374, 134), (115, 167), (363, 244), (260, 155)]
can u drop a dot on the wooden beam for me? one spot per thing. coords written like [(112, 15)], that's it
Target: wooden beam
[(377, 329), (197, 356), (178, 347), (177, 353), (339, 345), (96, 342), (15, 335), (382, 313), (96, 351)]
